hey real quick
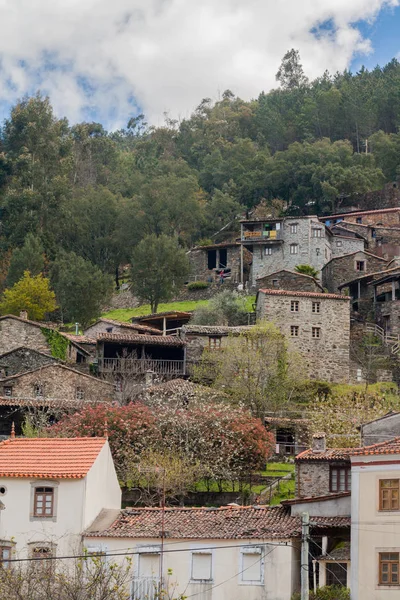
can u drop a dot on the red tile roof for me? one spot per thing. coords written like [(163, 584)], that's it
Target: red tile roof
[(389, 447), (328, 522), (329, 454), (315, 498), (304, 294), (361, 212), (228, 522), (45, 458), (148, 340)]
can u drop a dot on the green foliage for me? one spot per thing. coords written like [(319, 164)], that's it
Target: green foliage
[(226, 308), (57, 342), (32, 294), (333, 592), (125, 314), (197, 285), (81, 288), (159, 269), (307, 270), (30, 257)]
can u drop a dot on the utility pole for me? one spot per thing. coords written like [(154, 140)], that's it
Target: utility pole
[(305, 531)]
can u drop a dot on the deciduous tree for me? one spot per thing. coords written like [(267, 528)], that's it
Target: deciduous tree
[(32, 294)]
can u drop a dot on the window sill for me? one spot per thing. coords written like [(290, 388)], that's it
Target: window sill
[(49, 519), (385, 586), (255, 583), (202, 581)]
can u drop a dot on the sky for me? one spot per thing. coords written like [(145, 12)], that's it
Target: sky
[(108, 60)]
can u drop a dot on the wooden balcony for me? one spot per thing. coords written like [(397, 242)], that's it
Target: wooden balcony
[(139, 366)]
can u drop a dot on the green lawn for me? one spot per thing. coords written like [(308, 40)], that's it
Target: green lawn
[(285, 492), (125, 314)]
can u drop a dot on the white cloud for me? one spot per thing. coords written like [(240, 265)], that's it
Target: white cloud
[(167, 54)]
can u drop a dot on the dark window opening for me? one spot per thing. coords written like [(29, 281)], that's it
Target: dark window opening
[(212, 259), (223, 258), (340, 479), (336, 574), (360, 265), (359, 220)]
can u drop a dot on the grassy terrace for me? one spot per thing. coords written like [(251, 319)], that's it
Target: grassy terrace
[(125, 314)]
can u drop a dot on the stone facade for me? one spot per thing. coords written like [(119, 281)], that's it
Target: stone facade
[(207, 261), (313, 477), (289, 280), (294, 241), (389, 217), (381, 430), (317, 326), (346, 245), (16, 332), (23, 359), (56, 382), (341, 269), (212, 338)]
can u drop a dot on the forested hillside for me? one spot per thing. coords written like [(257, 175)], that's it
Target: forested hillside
[(78, 195)]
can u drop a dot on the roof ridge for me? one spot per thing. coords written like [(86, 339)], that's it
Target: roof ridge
[(272, 292)]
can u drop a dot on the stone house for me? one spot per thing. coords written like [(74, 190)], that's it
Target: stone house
[(380, 430), (56, 382), (343, 268), (291, 434), (113, 326), (206, 262), (317, 326), (51, 490), (284, 243), (387, 217), (23, 359), (323, 472), (289, 280), (235, 550), (210, 338)]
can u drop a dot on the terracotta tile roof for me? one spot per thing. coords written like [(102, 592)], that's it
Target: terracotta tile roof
[(389, 447), (291, 273), (125, 325), (45, 458), (352, 254), (328, 522), (368, 275), (269, 292), (329, 454), (340, 553), (228, 522), (361, 212), (315, 498), (215, 329), (77, 339), (148, 340)]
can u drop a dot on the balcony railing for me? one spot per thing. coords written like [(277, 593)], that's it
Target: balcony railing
[(262, 235), (145, 588), (138, 366)]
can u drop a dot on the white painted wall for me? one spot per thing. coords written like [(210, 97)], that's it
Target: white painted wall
[(281, 572), (335, 507)]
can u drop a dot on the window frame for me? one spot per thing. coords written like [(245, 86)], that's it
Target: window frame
[(347, 478), (390, 499), (294, 331), (209, 553), (336, 581), (268, 251), (6, 394), (293, 249), (294, 306), (54, 485), (339, 243), (79, 393), (390, 563), (216, 342), (316, 232), (252, 550), (5, 562), (38, 390), (45, 491), (317, 307), (293, 228), (358, 265), (316, 333)]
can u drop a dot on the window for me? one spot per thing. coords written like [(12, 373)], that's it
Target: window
[(294, 306), (359, 220), (294, 249), (109, 329), (275, 283), (201, 566), (43, 502), (8, 391), (149, 564), (339, 243), (340, 479), (316, 332), (294, 331), (41, 552), (316, 307), (316, 233), (268, 250), (79, 393), (252, 565), (38, 390), (214, 343), (389, 568), (5, 555), (336, 574), (360, 265), (389, 494), (293, 228)]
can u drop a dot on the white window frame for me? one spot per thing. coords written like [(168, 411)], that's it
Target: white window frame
[(294, 249), (293, 227), (316, 333), (294, 306), (316, 307), (316, 232), (156, 549), (268, 250), (253, 550), (208, 552), (294, 331)]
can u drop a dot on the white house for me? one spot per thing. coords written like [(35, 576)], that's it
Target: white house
[(51, 490), (227, 553)]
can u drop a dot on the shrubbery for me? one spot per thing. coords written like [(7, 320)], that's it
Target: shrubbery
[(197, 285)]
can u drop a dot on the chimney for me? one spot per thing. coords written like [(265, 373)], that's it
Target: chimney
[(149, 381), (23, 314), (319, 442)]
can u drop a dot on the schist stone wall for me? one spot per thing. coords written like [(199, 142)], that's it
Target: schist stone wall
[(301, 245), (59, 383), (345, 245), (199, 261), (289, 280), (387, 314), (317, 326), (23, 359), (313, 477), (15, 333), (345, 268), (380, 430)]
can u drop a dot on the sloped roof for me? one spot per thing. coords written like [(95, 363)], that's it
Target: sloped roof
[(173, 314), (329, 454), (33, 350), (55, 365), (269, 292), (340, 553), (362, 212), (291, 273), (215, 329), (148, 340), (228, 522), (311, 499), (35, 323), (125, 325), (48, 458), (389, 447), (368, 275), (76, 338), (352, 254)]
